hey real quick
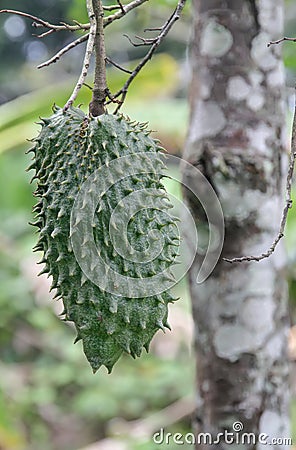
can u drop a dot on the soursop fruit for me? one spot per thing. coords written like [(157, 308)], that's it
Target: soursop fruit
[(85, 170)]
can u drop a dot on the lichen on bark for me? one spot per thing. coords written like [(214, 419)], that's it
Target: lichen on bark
[(240, 312)]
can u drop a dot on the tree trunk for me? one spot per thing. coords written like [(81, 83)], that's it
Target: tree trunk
[(236, 138)]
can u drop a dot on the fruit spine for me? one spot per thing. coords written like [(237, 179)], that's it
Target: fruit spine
[(69, 148)]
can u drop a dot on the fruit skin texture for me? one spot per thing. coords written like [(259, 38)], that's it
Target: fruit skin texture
[(69, 148)]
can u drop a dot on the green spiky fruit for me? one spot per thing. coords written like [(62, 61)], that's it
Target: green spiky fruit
[(70, 149)]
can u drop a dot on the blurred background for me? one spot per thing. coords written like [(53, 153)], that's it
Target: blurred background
[(49, 397)]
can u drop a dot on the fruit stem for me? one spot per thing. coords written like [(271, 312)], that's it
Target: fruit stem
[(99, 93)]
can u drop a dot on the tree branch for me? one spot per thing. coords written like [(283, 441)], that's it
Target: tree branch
[(121, 6), (143, 42), (37, 22), (281, 40), (288, 204), (154, 45), (100, 90), (96, 107), (42, 35), (111, 7), (118, 66), (125, 9), (87, 56), (64, 50)]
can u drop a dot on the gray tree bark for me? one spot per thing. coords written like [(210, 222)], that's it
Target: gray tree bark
[(236, 138)]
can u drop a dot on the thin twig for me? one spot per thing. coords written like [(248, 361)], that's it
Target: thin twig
[(127, 8), (64, 50), (90, 37), (152, 29), (88, 86), (86, 25), (37, 22), (154, 45), (288, 204), (281, 40), (109, 95), (118, 66), (46, 33), (121, 6), (143, 42), (96, 107), (87, 56)]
